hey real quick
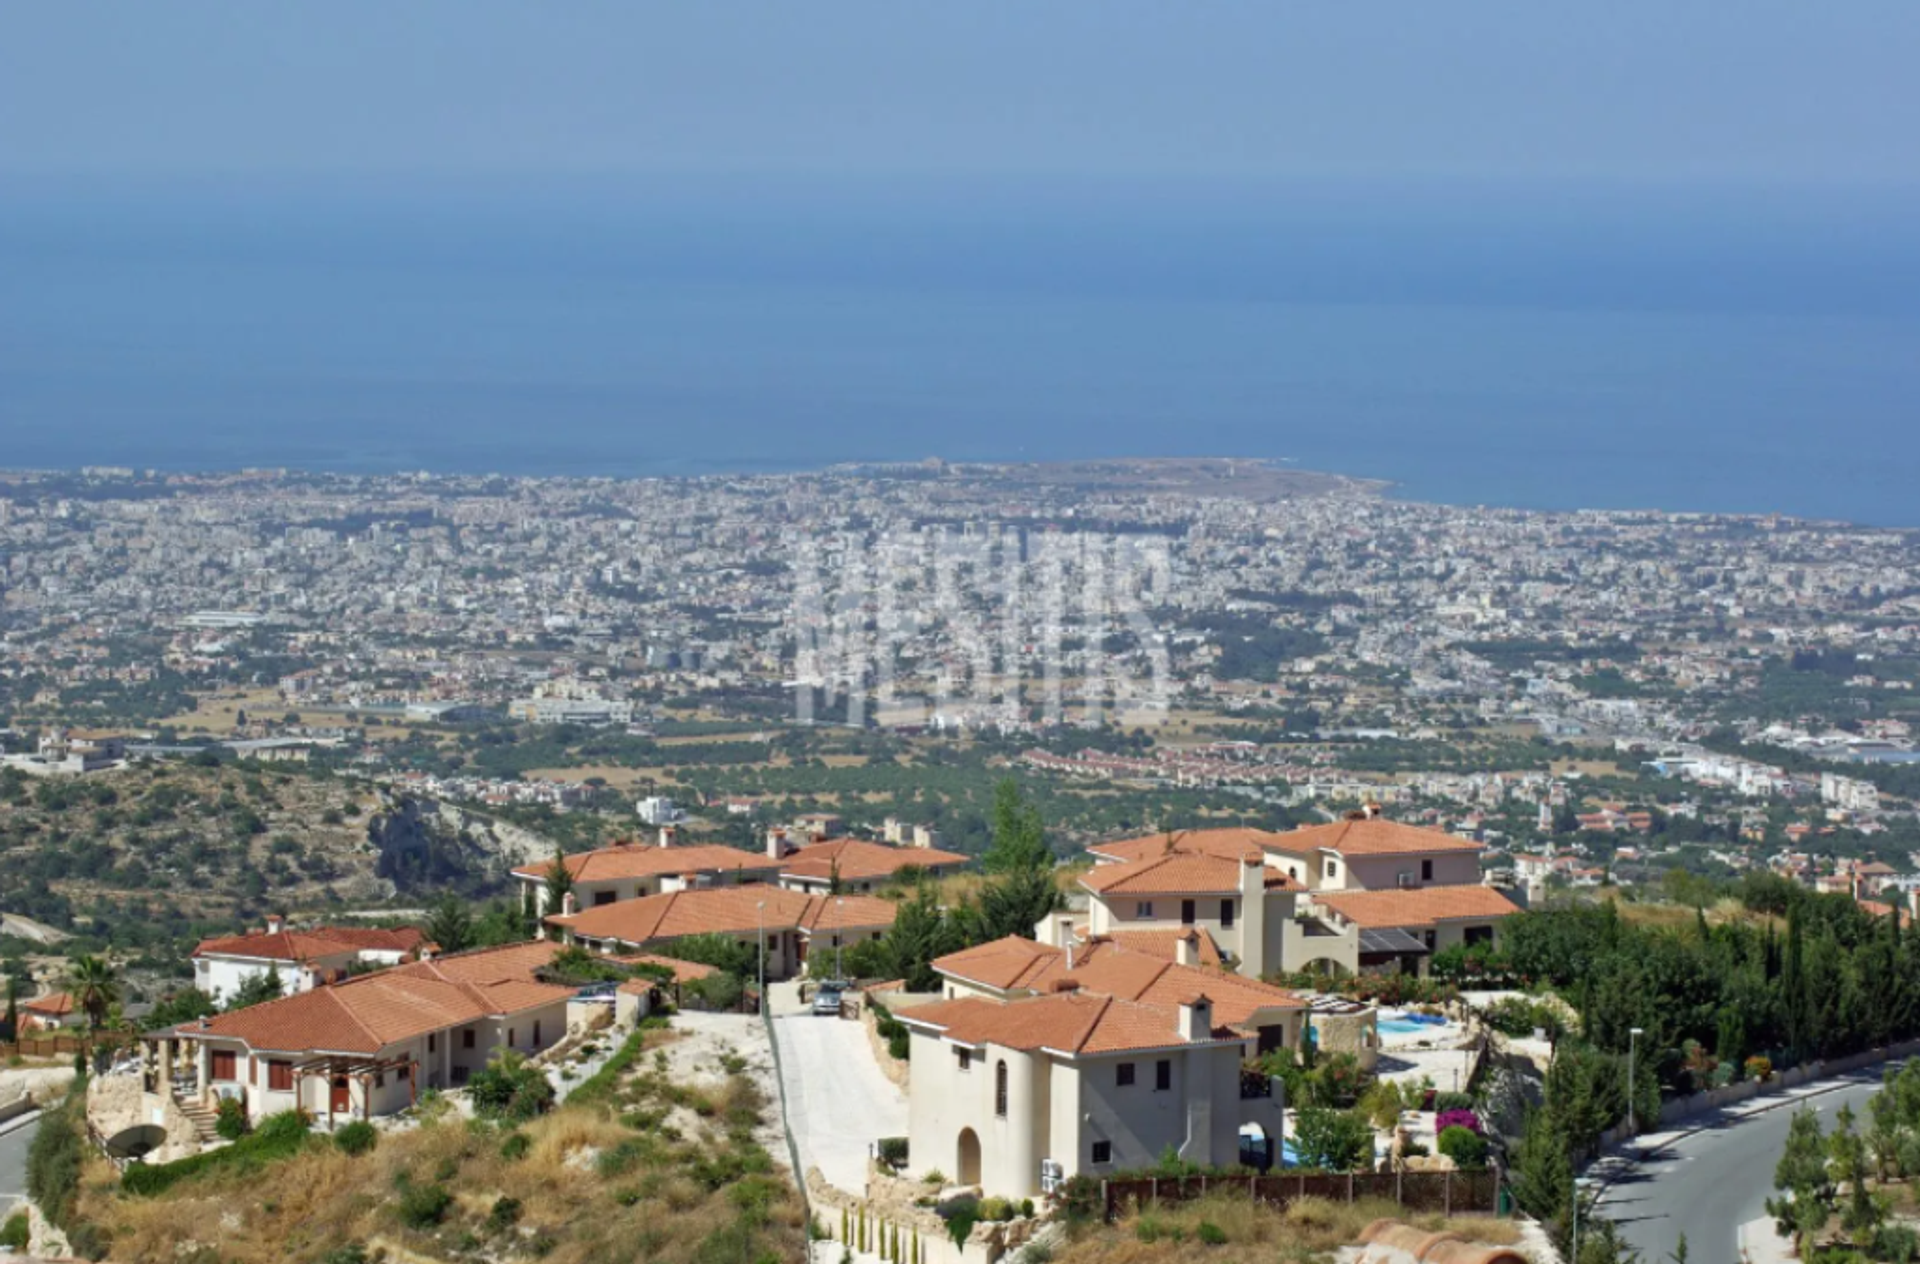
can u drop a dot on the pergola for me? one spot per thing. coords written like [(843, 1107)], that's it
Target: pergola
[(357, 1068)]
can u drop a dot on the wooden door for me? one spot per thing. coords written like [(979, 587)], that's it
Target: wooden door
[(342, 1096)]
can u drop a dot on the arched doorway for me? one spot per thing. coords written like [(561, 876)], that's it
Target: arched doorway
[(1256, 1147), (969, 1164)]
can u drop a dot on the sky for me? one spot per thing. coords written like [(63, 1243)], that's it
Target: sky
[(1773, 93)]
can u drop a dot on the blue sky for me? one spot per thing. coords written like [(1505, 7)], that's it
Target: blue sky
[(1780, 93)]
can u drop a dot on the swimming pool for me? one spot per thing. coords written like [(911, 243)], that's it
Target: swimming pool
[(1408, 1024)]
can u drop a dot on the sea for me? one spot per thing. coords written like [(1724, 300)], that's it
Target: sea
[(1737, 350)]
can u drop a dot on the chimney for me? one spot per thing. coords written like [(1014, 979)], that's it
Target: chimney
[(666, 835), (1196, 1018), (777, 843), (276, 923), (1371, 811), (1186, 949), (569, 904)]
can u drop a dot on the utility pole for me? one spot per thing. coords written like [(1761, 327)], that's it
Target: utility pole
[(763, 956), (1633, 1045)]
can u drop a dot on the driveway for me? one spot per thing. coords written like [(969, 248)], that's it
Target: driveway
[(15, 1137), (838, 1102), (1707, 1184)]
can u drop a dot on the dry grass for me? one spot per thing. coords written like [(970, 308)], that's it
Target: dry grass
[(1310, 1229), (595, 1185)]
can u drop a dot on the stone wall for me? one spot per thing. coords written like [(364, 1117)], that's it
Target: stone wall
[(116, 1103), (1348, 1033), (890, 1207)]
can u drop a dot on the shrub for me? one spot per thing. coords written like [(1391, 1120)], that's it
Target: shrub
[(1080, 1200), (1518, 1016), (1896, 1243), (1210, 1233), (1467, 1149), (504, 1215), (231, 1120), (509, 1087), (1026, 1208), (13, 1234), (54, 1158), (1760, 1068), (893, 1152), (422, 1206), (1452, 1101), (1332, 1140), (278, 1137), (998, 1210), (357, 1138), (1457, 1119), (515, 1147)]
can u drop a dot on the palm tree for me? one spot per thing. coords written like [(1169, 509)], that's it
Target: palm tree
[(95, 987)]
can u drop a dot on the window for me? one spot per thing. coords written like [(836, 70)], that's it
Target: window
[(1333, 869), (963, 1059), (1431, 936), (1143, 908), (1162, 1075), (466, 1038), (223, 1065), (510, 1040), (1426, 871), (433, 1042), (1186, 912), (536, 1031), (1478, 934), (1226, 915), (379, 1079), (1103, 1152), (1000, 1088), (280, 1077), (1123, 1074), (604, 897)]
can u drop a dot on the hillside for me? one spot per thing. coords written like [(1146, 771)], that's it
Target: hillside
[(151, 855), (664, 1161)]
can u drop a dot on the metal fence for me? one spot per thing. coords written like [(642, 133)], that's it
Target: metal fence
[(1449, 1193)]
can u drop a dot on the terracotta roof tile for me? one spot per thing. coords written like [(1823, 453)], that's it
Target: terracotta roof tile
[(1374, 836), (311, 945), (366, 1014), (725, 910), (862, 861), (1228, 844), (1071, 1022), (642, 860), (1416, 906), (1179, 873)]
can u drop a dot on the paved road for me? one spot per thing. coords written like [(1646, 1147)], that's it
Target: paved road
[(13, 1164), (838, 1102), (1707, 1184)]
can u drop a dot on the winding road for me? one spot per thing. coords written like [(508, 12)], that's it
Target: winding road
[(1712, 1176)]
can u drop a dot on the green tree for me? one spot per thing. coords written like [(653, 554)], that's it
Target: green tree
[(1011, 903), (558, 884), (1847, 1153), (10, 1022), (1803, 1177), (921, 932), (95, 986), (449, 925), (1019, 833), (1333, 1140), (257, 988)]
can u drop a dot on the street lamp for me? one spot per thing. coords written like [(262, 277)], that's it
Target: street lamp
[(1581, 1185), (1633, 1044), (839, 936), (763, 956)]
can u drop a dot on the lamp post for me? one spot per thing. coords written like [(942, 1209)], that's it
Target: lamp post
[(762, 922), (1580, 1186), (1633, 1045), (839, 936)]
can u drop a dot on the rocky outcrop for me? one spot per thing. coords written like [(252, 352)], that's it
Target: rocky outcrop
[(428, 845)]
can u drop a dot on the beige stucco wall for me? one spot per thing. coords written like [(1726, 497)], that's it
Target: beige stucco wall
[(1379, 873)]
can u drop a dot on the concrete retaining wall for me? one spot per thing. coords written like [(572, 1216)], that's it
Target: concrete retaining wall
[(16, 1108)]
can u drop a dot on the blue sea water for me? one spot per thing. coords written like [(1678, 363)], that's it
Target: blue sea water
[(1736, 353)]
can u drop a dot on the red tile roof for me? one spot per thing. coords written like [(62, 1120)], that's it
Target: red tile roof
[(310, 945), (52, 1005), (1228, 844), (1070, 1022), (1110, 968), (625, 861), (725, 910), (860, 861), (369, 1013), (683, 971), (1416, 906), (1179, 873), (1373, 836)]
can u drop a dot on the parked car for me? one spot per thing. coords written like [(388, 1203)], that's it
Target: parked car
[(827, 1000)]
